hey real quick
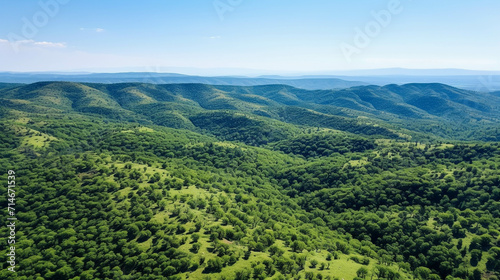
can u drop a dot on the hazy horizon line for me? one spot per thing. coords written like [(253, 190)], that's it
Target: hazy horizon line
[(217, 71)]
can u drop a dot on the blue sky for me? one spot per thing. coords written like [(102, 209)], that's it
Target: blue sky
[(229, 36)]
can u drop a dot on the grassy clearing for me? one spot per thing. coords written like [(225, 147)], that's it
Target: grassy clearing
[(33, 138), (22, 120), (144, 246), (145, 129), (356, 163)]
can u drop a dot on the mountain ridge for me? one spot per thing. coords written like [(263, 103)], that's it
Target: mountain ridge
[(466, 79), (174, 78), (385, 108)]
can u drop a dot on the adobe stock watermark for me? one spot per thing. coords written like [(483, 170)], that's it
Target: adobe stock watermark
[(32, 25), (11, 220), (225, 6), (372, 29)]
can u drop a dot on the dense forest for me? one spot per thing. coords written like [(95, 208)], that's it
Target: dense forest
[(130, 181)]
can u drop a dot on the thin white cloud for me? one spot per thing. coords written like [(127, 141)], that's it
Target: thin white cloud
[(33, 43), (97, 30), (50, 44)]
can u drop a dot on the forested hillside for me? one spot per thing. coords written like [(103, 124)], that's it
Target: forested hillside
[(421, 112), (142, 181)]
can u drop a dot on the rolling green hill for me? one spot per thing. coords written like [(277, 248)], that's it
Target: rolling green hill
[(193, 181), (392, 110)]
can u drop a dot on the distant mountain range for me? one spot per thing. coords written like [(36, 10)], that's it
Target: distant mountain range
[(172, 78), (471, 80), (412, 110), (410, 72)]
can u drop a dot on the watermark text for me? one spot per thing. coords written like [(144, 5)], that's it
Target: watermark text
[(11, 220)]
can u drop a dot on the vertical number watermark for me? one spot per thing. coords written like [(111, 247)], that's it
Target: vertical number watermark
[(11, 220)]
